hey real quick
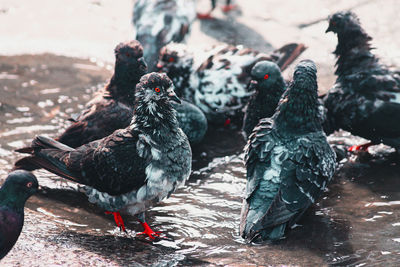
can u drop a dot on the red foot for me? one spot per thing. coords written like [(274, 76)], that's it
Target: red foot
[(363, 147), (148, 231), (228, 8), (118, 219), (204, 16), (227, 122)]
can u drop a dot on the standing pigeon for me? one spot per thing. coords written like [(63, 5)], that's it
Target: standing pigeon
[(160, 22), (133, 168), (365, 99), (269, 85), (288, 160), (112, 109), (216, 80), (17, 188)]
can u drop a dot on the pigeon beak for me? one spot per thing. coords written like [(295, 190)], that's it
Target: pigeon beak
[(142, 63), (329, 29), (172, 96), (159, 66)]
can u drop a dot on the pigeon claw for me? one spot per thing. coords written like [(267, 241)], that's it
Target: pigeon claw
[(204, 16), (148, 231), (228, 8), (363, 147), (118, 220)]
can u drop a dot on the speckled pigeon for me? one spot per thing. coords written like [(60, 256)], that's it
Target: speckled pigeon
[(216, 80), (17, 188), (226, 8), (133, 168), (365, 99), (159, 22), (289, 161), (268, 86)]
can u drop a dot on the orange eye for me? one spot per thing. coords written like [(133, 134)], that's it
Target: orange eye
[(333, 23), (266, 76), (29, 184), (171, 59), (157, 89)]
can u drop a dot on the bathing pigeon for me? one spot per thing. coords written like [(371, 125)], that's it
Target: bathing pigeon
[(268, 86), (112, 109), (17, 188), (160, 22), (365, 99), (289, 161), (192, 121), (216, 80), (133, 168)]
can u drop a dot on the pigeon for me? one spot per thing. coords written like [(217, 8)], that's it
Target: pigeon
[(365, 99), (192, 121), (17, 188), (226, 8), (160, 22), (288, 159), (268, 84), (133, 168), (112, 108), (216, 80)]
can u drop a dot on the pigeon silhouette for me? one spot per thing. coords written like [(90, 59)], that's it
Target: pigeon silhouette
[(133, 168), (17, 188), (160, 22), (365, 99), (216, 80), (289, 161), (268, 86)]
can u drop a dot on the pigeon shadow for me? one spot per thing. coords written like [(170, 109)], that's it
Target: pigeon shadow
[(126, 251), (234, 33)]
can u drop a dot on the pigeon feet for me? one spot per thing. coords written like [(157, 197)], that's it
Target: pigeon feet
[(204, 16), (228, 8), (148, 231), (118, 219), (363, 147)]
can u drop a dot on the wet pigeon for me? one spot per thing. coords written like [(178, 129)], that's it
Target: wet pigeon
[(192, 121), (226, 8), (112, 109), (365, 99), (160, 22), (268, 86), (133, 168), (17, 188), (216, 80), (288, 160)]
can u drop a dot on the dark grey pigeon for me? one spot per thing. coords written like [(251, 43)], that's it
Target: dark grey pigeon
[(17, 188), (365, 99), (160, 22), (268, 86), (192, 121), (133, 168), (289, 161)]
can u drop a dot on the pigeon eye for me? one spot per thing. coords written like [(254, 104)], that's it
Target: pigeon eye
[(266, 76), (157, 89), (171, 59), (29, 184), (127, 54), (333, 23)]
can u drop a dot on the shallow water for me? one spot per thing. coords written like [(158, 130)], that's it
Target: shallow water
[(356, 222)]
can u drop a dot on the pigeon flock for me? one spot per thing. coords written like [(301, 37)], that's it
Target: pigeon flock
[(130, 147)]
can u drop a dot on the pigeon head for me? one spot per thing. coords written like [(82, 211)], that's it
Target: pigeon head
[(129, 60), (17, 188), (173, 59), (156, 88), (265, 74), (298, 108)]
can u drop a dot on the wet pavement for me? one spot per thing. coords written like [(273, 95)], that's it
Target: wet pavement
[(355, 223)]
